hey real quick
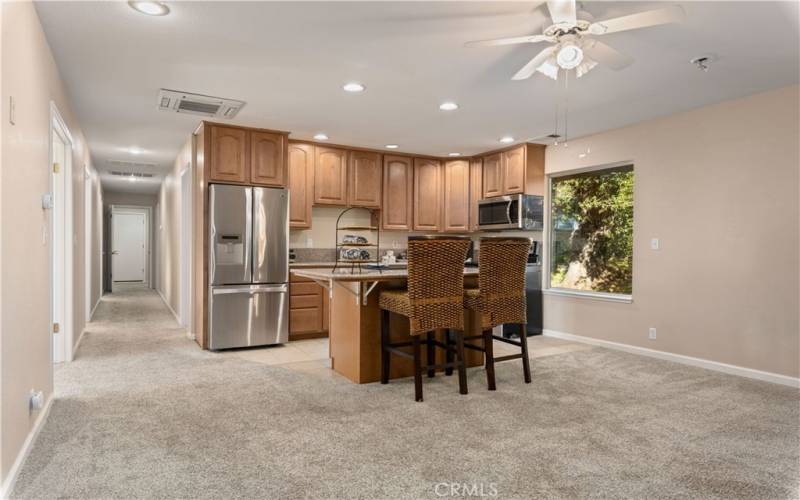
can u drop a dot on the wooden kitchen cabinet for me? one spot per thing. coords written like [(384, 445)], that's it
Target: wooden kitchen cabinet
[(427, 194), (398, 193), (455, 196), (307, 309), (516, 170), (268, 159), (301, 184), (493, 175), (330, 176), (513, 174), (475, 191), (364, 179), (228, 154)]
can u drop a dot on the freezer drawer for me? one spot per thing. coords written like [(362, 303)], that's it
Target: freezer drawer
[(243, 316)]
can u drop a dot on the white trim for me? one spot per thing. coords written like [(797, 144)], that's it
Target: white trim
[(186, 238), (66, 283), (11, 479), (741, 371), (166, 303), (91, 315), (88, 198), (582, 294), (78, 343)]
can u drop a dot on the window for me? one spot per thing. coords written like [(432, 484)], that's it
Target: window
[(591, 231)]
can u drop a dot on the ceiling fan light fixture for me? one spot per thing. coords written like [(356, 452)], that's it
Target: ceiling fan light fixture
[(569, 56), (549, 68)]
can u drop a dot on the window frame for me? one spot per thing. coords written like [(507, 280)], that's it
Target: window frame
[(548, 289)]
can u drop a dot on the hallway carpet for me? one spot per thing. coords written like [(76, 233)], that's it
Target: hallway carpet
[(143, 413)]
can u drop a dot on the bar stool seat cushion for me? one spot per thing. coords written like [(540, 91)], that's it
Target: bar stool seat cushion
[(396, 301)]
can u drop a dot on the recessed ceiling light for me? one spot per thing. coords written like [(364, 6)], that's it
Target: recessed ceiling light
[(392, 146), (454, 154), (354, 87), (150, 8), (448, 106), (321, 137), (507, 139)]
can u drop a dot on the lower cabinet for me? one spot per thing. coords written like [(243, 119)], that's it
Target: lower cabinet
[(307, 309)]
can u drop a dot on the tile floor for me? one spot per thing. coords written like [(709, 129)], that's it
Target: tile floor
[(311, 356)]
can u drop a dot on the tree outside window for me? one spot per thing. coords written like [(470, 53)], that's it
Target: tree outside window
[(591, 220)]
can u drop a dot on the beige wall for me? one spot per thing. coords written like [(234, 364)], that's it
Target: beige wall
[(169, 232), (137, 199), (719, 186), (30, 76)]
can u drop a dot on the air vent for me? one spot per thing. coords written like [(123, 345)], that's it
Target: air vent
[(197, 104), (130, 165), (131, 174)]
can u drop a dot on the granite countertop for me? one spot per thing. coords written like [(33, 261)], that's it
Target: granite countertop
[(366, 275), (313, 264)]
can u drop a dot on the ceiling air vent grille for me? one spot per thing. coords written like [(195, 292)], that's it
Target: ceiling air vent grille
[(131, 174), (197, 104)]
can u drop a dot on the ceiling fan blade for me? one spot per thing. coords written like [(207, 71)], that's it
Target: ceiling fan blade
[(671, 14), (562, 11), (534, 63), (509, 41), (606, 55)]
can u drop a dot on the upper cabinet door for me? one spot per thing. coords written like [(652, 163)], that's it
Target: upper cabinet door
[(398, 193), (456, 196), (228, 154), (267, 159), (514, 171), (493, 175), (475, 191), (427, 194), (364, 177), (330, 176), (301, 184)]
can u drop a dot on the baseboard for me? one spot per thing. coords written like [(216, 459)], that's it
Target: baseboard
[(91, 314), (166, 303), (11, 479), (741, 371), (78, 343)]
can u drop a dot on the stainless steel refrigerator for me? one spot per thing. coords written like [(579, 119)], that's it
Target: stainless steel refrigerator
[(248, 271)]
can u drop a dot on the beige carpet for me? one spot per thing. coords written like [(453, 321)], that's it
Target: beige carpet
[(143, 413)]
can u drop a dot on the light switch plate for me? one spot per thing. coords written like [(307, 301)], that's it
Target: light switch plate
[(655, 244), (12, 110)]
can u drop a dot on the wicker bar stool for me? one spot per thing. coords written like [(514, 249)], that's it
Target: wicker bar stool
[(433, 301), (500, 299)]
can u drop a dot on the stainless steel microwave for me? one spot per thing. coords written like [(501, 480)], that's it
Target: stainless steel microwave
[(518, 211)]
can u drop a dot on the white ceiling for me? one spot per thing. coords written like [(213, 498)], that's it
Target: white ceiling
[(288, 61)]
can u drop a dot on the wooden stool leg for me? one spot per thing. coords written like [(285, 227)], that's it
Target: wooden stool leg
[(488, 345), (448, 354), (417, 369), (526, 361), (462, 364), (385, 355), (431, 354)]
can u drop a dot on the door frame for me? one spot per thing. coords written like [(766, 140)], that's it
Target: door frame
[(186, 234), (148, 239), (61, 277), (88, 225)]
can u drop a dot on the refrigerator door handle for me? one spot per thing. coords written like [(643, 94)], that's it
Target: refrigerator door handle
[(282, 288)]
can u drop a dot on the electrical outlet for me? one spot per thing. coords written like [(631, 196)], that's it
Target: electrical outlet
[(655, 244), (309, 242), (652, 334)]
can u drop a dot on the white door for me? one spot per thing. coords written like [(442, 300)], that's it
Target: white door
[(59, 160), (128, 247)]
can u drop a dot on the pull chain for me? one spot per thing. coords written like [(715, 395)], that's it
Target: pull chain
[(566, 108)]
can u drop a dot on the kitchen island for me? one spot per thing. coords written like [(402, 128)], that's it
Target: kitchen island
[(355, 321)]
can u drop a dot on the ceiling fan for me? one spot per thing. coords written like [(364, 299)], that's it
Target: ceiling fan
[(573, 47)]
